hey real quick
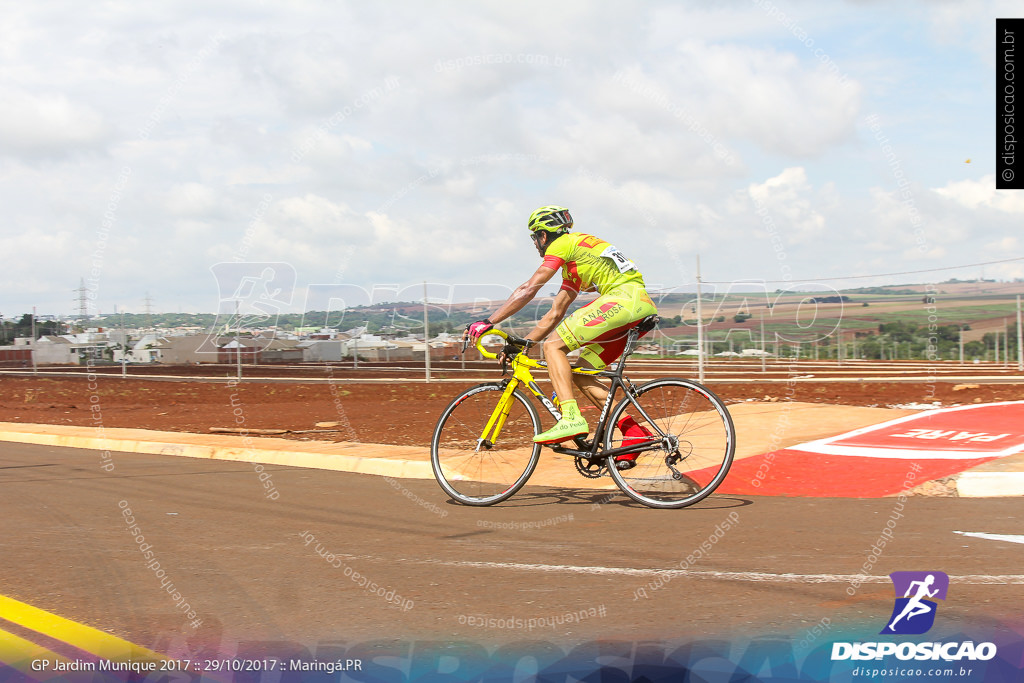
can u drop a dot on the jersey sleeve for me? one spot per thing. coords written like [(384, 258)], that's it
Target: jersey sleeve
[(553, 262)]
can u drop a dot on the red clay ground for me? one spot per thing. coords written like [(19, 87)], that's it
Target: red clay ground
[(402, 414)]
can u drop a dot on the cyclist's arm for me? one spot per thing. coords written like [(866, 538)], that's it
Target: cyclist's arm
[(551, 319), (523, 294)]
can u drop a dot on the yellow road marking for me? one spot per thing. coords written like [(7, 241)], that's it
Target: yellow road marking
[(18, 653), (78, 635)]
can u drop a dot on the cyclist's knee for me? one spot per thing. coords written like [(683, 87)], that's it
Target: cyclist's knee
[(554, 345)]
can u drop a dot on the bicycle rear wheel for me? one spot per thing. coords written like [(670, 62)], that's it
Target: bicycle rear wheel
[(475, 468), (694, 437)]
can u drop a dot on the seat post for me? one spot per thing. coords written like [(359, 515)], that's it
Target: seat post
[(631, 338)]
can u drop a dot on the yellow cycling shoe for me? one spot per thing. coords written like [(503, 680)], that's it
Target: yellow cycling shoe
[(570, 426)]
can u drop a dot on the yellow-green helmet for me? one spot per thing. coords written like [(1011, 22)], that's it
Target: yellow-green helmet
[(551, 219)]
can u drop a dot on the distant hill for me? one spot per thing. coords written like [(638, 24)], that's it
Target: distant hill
[(982, 304)]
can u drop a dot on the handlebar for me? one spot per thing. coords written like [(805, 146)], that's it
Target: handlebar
[(480, 345), (510, 339)]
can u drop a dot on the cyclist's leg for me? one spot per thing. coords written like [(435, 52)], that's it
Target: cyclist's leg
[(572, 423), (577, 331), (599, 354), (597, 393), (601, 329), (591, 387), (559, 368)]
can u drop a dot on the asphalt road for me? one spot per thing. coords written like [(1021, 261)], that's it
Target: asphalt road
[(249, 567)]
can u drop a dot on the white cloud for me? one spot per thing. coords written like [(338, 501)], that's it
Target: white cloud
[(191, 199), (769, 98), (968, 24), (1008, 244), (309, 73), (47, 124), (432, 177), (982, 193), (788, 198), (317, 219)]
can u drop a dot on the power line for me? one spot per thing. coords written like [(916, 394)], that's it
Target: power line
[(860, 277)]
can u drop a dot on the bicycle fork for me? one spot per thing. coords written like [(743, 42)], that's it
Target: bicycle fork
[(498, 417)]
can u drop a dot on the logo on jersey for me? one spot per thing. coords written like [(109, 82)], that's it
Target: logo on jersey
[(914, 610), (597, 317)]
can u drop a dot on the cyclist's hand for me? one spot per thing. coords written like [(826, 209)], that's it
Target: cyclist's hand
[(474, 330), (513, 347), (507, 353)]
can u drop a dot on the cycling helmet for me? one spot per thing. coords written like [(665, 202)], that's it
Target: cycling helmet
[(551, 219)]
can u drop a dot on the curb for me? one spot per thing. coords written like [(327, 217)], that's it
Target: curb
[(322, 455), (971, 484), (984, 481), (394, 462)]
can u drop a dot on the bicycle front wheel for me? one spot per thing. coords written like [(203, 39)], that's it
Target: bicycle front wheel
[(475, 468), (694, 437)]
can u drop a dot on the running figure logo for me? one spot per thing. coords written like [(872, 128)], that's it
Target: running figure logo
[(251, 294), (914, 613)]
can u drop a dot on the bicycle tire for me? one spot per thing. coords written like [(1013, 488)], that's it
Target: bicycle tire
[(472, 475), (705, 442)]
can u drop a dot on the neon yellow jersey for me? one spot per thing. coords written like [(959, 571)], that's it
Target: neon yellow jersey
[(589, 264)]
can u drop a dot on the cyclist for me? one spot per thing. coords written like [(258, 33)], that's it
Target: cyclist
[(588, 264)]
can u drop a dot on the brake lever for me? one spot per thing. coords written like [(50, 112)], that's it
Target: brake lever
[(509, 352)]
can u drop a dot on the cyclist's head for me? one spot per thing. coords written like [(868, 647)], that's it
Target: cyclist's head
[(547, 223)]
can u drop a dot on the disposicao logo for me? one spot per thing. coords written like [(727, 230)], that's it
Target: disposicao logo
[(914, 612)]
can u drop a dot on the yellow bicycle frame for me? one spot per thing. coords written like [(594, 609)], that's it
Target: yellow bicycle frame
[(521, 365)]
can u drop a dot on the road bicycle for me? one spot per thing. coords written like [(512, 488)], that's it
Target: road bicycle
[(482, 450)]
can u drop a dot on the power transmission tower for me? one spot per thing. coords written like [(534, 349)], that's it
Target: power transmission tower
[(148, 303), (82, 299)]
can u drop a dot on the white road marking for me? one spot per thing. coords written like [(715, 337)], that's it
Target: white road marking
[(1009, 538), (828, 445), (899, 453), (755, 577)]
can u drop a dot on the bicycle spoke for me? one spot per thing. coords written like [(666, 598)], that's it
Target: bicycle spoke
[(694, 456), (476, 470)]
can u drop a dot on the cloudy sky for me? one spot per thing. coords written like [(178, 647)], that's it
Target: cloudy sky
[(384, 144)]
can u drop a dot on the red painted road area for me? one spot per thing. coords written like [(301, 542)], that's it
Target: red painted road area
[(887, 458)]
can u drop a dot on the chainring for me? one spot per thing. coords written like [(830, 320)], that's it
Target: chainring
[(591, 469)]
